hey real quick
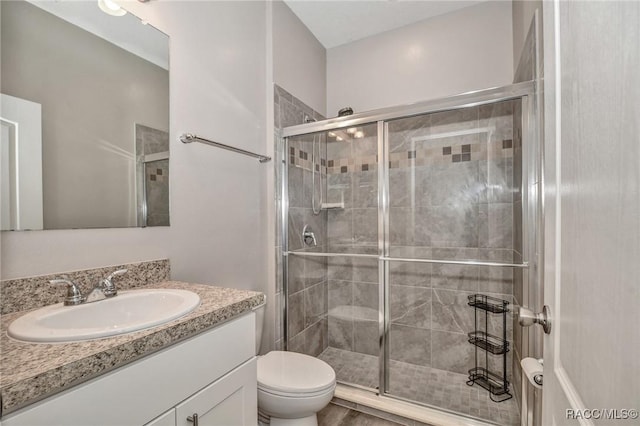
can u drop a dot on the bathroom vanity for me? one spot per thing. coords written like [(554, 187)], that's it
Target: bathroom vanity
[(200, 367)]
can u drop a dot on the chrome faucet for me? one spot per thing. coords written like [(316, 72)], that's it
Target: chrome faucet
[(74, 295), (103, 290)]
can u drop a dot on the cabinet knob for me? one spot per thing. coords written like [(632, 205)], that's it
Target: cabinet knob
[(193, 419)]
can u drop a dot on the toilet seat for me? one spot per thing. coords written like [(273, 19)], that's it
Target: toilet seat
[(295, 395), (294, 375)]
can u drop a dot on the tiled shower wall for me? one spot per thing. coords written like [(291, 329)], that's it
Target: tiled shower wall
[(307, 278)]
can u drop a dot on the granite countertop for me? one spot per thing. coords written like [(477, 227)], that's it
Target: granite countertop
[(32, 371)]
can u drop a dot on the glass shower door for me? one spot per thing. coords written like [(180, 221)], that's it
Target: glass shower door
[(451, 197), (332, 278), (387, 236)]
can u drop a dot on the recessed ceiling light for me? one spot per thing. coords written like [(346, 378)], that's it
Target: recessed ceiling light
[(338, 138), (351, 130), (359, 134), (111, 8), (333, 135)]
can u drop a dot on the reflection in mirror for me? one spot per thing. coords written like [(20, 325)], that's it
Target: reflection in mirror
[(152, 176), (84, 118)]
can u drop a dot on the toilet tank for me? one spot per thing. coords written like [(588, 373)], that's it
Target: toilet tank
[(260, 310)]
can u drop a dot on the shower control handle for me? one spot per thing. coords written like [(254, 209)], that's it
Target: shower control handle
[(526, 318), (193, 419), (309, 237)]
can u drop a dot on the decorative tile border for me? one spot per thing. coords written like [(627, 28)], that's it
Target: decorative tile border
[(22, 294), (156, 174), (302, 159), (425, 157)]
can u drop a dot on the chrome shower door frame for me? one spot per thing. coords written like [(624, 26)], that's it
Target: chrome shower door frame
[(524, 91), (283, 144)]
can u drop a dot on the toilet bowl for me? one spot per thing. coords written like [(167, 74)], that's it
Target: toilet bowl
[(292, 387)]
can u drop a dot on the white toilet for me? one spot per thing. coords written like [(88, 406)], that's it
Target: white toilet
[(292, 387)]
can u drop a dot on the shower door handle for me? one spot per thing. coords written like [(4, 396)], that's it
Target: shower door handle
[(526, 318)]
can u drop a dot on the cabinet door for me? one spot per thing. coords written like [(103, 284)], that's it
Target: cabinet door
[(166, 419), (229, 401)]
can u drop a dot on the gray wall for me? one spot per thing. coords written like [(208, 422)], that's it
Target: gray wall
[(522, 15), (92, 94), (465, 50), (299, 60)]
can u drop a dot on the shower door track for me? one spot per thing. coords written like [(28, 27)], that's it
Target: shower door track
[(411, 260), (460, 418)]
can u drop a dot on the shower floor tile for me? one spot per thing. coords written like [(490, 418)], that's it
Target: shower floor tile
[(426, 385)]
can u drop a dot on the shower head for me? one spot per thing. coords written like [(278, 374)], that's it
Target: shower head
[(345, 111)]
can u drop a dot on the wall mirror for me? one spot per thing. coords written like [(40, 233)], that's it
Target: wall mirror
[(84, 116)]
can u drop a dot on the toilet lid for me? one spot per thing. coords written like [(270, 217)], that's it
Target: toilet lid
[(293, 372)]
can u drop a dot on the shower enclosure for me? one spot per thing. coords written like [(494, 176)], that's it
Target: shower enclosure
[(391, 220)]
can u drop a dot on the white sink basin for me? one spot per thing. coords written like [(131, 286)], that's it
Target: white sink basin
[(128, 311)]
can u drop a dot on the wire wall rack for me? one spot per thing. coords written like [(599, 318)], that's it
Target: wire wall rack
[(489, 345)]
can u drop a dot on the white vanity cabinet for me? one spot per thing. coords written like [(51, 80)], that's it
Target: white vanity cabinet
[(212, 374), (223, 403)]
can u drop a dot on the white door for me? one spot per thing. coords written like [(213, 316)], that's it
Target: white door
[(20, 164), (592, 212)]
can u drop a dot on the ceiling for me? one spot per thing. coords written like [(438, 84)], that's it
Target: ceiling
[(125, 31), (336, 22)]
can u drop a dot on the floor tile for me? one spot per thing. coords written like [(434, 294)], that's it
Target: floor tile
[(332, 415)]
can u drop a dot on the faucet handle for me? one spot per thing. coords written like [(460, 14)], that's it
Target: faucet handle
[(108, 287), (117, 273), (74, 295)]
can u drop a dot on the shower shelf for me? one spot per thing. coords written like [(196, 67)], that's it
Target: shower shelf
[(497, 384), (489, 342), (488, 303), (491, 382)]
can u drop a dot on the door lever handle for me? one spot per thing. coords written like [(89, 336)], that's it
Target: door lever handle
[(526, 318)]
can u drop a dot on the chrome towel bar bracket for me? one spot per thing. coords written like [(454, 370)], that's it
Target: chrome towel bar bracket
[(190, 137)]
